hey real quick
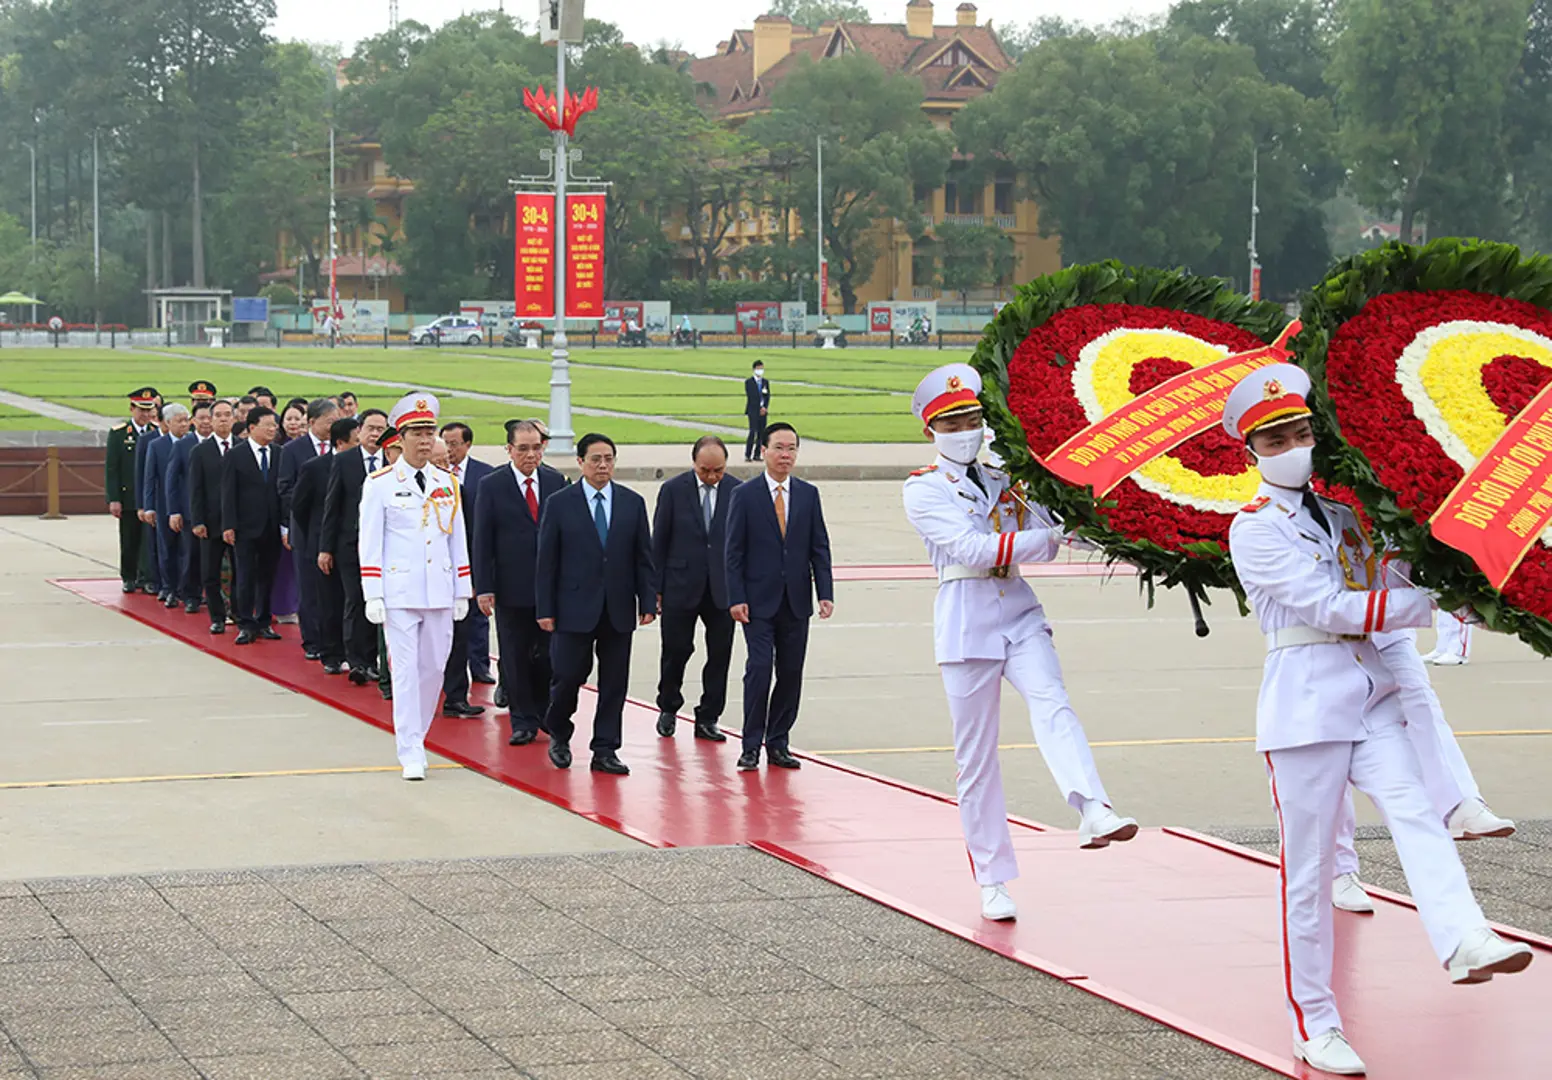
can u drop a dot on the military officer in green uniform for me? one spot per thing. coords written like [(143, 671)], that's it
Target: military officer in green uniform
[(119, 484)]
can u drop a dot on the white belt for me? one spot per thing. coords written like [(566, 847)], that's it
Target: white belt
[(966, 573), (1290, 636)]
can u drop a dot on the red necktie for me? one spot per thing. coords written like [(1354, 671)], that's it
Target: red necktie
[(533, 499)]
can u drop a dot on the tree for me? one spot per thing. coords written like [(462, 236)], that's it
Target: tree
[(1138, 146), (1017, 40), (1421, 87), (878, 148), (811, 13), (1291, 39), (973, 257)]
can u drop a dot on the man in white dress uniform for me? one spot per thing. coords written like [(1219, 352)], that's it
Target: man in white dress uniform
[(988, 626), (1330, 715), (414, 572)]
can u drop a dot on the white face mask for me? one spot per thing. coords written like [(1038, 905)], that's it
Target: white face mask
[(960, 447), (1291, 469), (759, 373)]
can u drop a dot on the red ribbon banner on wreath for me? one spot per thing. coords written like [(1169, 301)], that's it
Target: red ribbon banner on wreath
[(1147, 427), (1504, 504)]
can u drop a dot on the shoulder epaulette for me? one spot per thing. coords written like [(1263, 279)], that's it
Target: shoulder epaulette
[(1255, 504), (384, 471), (120, 427), (925, 471)]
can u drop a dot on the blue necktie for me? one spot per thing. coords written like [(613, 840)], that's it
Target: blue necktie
[(371, 463), (599, 520), (264, 461)]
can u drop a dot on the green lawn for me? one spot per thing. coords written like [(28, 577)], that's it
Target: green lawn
[(856, 396)]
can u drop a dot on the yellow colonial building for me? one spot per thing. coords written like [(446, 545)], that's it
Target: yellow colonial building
[(956, 63)]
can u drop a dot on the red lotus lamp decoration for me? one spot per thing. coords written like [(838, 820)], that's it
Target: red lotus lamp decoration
[(557, 117)]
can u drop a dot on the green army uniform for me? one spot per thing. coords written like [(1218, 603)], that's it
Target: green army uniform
[(119, 487)]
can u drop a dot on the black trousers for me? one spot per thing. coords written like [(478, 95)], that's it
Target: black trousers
[(752, 447), (330, 615), (455, 676), (255, 561), (777, 644), (678, 634), (150, 560), (360, 635), (131, 532), (572, 655), (192, 587), (308, 583), (214, 551), (525, 666)]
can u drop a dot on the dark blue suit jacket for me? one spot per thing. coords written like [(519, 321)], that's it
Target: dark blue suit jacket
[(688, 561), (506, 537), (296, 453), (474, 472), (177, 478), (153, 490), (579, 580), (761, 566), (142, 451)]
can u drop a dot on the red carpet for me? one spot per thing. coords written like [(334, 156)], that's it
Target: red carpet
[(1180, 928)]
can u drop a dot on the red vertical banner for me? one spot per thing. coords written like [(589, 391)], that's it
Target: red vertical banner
[(585, 256), (824, 285), (1255, 283), (534, 276)]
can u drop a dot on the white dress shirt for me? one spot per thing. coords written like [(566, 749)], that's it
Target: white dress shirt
[(592, 500)]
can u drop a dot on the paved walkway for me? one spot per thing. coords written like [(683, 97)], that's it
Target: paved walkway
[(718, 963), (89, 420)]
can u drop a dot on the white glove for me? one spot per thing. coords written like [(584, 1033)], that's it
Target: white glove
[(1079, 543), (376, 612), (460, 610)]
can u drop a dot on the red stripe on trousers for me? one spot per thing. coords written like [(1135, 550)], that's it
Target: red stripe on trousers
[(1282, 874), (1379, 621)]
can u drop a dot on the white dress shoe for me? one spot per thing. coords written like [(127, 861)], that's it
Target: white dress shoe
[(996, 904), (1348, 895), (1472, 820), (1483, 954), (1330, 1053), (1445, 659), (1102, 826), (414, 772)]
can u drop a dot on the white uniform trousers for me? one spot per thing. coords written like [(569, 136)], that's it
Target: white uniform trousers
[(1454, 635), (1309, 784), (419, 640), (974, 690), (1447, 779)]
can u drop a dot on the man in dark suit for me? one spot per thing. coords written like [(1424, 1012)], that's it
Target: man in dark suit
[(508, 508), (593, 586), (321, 414), (205, 510), (689, 545), (778, 556), (757, 407), (470, 656), (337, 545), (307, 507), (175, 421), (177, 483), (250, 514)]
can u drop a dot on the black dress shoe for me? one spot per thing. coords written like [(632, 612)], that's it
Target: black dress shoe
[(709, 732), (388, 693), (311, 654), (782, 759), (484, 678), (463, 710), (749, 761), (269, 633), (372, 673), (244, 637), (609, 762), (500, 697), (560, 755), (331, 667), (667, 724), (358, 676), (171, 602), (130, 586), (218, 628), (522, 738), (191, 608)]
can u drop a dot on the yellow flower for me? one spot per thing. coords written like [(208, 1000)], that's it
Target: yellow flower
[(1441, 374)]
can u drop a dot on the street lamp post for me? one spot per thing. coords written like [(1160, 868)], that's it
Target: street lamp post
[(561, 434), (33, 150), (1255, 214)]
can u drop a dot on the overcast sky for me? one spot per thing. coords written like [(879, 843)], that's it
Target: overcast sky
[(696, 24)]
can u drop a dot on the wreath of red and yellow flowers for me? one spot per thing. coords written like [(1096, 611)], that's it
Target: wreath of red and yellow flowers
[(1075, 346), (1421, 357)]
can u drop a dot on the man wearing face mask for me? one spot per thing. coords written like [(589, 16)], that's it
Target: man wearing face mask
[(988, 626), (757, 407), (1331, 713)]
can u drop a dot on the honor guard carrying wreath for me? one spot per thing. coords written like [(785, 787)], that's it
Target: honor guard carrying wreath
[(989, 626), (1330, 713), (414, 572)]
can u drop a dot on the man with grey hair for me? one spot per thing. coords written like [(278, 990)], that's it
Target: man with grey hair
[(321, 414), (159, 455)]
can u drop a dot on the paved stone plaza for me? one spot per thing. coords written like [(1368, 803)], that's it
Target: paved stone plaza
[(262, 904)]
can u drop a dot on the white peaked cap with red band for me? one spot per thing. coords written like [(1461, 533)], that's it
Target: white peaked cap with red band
[(952, 388), (1268, 396), (415, 409)]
